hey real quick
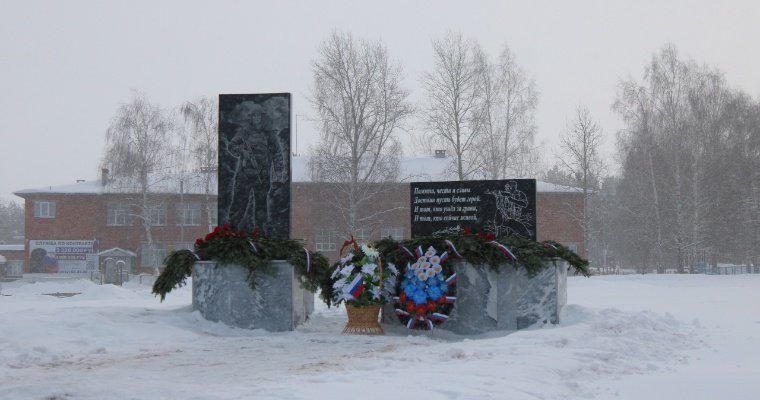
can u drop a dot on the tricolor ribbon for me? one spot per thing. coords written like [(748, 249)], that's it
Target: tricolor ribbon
[(444, 257), (452, 248), (429, 324), (439, 317), (197, 257), (356, 287), (401, 313), (418, 251), (504, 250), (309, 261), (549, 245), (452, 279), (407, 252), (253, 247)]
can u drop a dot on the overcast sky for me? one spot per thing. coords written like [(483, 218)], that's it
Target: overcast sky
[(66, 66)]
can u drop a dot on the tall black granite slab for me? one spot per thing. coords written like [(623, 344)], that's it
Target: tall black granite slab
[(254, 162), (502, 207)]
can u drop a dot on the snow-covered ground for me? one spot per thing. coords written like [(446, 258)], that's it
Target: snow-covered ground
[(621, 337)]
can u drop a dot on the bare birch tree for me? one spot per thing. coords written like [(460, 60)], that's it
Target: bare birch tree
[(454, 113), (202, 118), (505, 147), (138, 148), (360, 104), (579, 155)]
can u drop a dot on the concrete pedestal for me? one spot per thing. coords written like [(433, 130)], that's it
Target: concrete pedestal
[(279, 303), (488, 300)]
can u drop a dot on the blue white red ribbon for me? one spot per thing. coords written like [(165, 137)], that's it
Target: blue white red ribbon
[(309, 262), (407, 252), (253, 246), (547, 244), (504, 250), (444, 257), (452, 248), (197, 257), (419, 251), (439, 317), (452, 279), (356, 287)]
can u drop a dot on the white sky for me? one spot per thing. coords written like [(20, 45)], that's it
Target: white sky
[(65, 67)]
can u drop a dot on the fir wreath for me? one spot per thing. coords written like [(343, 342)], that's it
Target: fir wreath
[(427, 291), (250, 250)]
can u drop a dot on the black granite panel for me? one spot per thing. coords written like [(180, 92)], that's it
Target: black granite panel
[(502, 207), (254, 162)]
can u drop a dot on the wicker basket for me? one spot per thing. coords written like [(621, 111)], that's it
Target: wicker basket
[(363, 320)]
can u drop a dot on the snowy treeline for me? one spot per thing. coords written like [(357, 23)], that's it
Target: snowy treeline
[(689, 188)]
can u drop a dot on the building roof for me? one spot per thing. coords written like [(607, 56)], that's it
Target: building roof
[(190, 183), (413, 169), (420, 169), (117, 252)]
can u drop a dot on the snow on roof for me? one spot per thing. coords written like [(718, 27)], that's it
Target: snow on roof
[(88, 187), (190, 183), (413, 169), (117, 252), (420, 169)]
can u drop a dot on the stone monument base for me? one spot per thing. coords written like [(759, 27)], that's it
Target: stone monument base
[(488, 300), (222, 294)]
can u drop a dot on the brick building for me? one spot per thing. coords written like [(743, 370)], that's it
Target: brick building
[(88, 218), (81, 220)]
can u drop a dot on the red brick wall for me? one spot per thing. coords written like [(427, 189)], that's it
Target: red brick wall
[(84, 217), (559, 218), (556, 219)]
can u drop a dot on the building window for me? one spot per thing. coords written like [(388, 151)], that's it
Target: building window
[(157, 214), (44, 209), (362, 235), (189, 214), (395, 233), (212, 214), (185, 246), (152, 256), (118, 214), (571, 246), (325, 240)]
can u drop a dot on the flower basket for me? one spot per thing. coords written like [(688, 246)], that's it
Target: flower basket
[(363, 320), (364, 284)]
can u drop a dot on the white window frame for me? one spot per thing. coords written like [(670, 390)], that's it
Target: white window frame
[(44, 209), (117, 214), (189, 214), (325, 240), (395, 232), (157, 214)]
